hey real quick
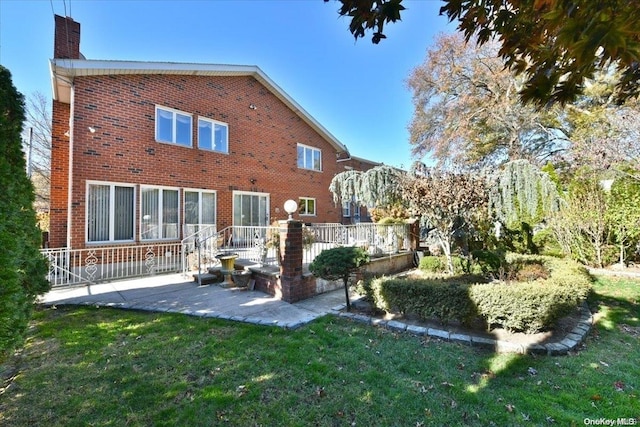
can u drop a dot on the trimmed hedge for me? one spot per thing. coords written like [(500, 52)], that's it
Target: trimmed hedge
[(528, 307)]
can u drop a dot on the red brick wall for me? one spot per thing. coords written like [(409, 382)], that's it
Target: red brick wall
[(121, 108), (59, 175)]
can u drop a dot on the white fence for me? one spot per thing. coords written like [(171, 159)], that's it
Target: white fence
[(376, 239), (78, 266), (198, 251)]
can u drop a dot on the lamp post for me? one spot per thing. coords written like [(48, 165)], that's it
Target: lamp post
[(290, 206)]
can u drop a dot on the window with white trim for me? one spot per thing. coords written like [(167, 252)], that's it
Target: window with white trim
[(199, 210), (110, 212), (213, 135), (159, 213), (306, 206), (173, 126), (309, 158)]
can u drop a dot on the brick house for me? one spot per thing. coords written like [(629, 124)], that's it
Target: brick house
[(140, 150)]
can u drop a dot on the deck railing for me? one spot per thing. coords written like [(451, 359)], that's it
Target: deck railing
[(198, 250), (68, 267), (376, 239)]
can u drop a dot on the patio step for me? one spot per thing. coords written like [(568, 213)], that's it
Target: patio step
[(208, 278)]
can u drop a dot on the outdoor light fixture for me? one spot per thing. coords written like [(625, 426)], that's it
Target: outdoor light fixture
[(253, 106), (290, 206), (92, 129)]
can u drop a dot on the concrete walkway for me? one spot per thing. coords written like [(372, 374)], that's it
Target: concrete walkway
[(175, 294)]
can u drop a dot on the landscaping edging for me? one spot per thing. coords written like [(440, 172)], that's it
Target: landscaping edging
[(569, 343)]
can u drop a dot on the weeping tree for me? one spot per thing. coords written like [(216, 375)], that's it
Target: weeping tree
[(374, 188), (521, 196), (446, 201)]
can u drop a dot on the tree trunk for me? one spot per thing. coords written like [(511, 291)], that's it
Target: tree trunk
[(346, 291), (445, 244)]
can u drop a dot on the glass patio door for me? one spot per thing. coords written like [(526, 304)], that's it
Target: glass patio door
[(249, 209)]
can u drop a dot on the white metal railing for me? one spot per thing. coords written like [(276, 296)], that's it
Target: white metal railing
[(198, 250), (69, 267), (376, 239), (257, 244)]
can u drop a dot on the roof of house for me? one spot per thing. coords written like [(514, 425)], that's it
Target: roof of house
[(63, 71)]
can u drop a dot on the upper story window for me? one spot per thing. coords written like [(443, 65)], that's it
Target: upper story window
[(213, 135), (309, 158), (110, 212), (306, 206), (173, 126)]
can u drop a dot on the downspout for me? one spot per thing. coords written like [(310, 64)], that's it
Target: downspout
[(70, 177)]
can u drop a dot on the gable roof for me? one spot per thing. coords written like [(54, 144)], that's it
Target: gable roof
[(63, 71)]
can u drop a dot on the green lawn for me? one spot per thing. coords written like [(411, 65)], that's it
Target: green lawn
[(105, 367)]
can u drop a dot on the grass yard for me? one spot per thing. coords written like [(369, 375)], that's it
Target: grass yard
[(105, 367)]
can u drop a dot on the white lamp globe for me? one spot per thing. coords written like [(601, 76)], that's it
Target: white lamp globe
[(290, 206)]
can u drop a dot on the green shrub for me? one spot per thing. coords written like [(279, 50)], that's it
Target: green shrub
[(536, 305), (488, 261), (339, 263), (444, 299), (552, 290), (433, 264)]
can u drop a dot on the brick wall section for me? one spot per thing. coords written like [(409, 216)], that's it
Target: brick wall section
[(59, 175), (121, 108), (262, 144)]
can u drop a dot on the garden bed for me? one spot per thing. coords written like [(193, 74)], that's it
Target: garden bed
[(478, 328)]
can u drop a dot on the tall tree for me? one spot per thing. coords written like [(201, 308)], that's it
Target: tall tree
[(467, 112), (37, 137), (557, 45), (604, 136), (23, 269), (580, 225), (623, 214), (447, 201)]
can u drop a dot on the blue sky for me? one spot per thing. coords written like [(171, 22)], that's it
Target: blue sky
[(356, 90)]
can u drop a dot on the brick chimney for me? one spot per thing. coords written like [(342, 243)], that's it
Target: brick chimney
[(66, 42)]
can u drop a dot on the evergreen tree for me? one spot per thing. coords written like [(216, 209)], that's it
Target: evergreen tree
[(22, 267)]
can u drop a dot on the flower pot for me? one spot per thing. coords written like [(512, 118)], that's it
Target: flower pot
[(241, 278)]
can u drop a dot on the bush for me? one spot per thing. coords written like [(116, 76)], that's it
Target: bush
[(433, 264), (481, 262), (554, 289), (339, 263), (445, 299), (488, 261)]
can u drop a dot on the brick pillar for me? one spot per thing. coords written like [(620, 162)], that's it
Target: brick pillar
[(291, 281)]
